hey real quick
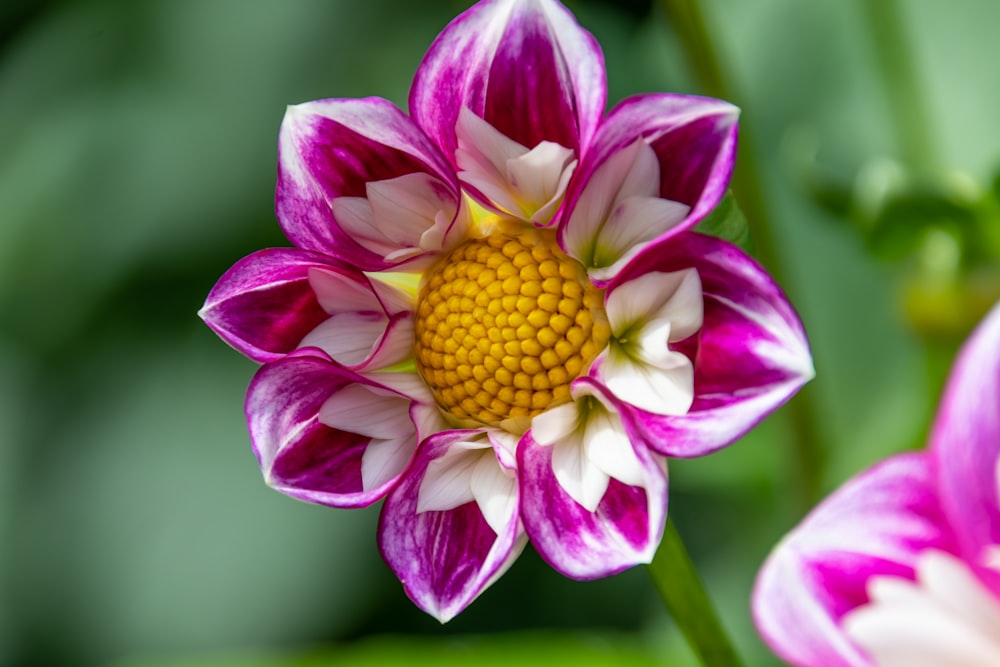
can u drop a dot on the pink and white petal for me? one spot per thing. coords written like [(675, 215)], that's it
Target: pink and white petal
[(633, 225), (965, 444), (447, 481), (625, 528), (339, 292), (265, 304), (646, 314), (403, 217), (664, 388), (694, 139), (750, 355), (945, 617), (351, 464), (668, 303), (446, 558), (505, 446), (500, 58), (630, 171), (370, 324), (330, 149), (877, 524), (509, 178), (364, 340), (619, 212)]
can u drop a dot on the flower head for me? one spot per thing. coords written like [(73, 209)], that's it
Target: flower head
[(901, 565), (496, 315)]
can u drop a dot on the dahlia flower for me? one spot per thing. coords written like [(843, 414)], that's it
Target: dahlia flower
[(496, 315), (901, 565)]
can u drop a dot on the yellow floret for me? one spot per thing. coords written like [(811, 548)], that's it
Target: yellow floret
[(503, 325)]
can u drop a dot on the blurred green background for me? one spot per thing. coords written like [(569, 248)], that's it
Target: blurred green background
[(137, 163)]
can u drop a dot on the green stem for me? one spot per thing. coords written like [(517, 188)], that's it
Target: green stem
[(905, 97), (806, 438), (685, 598)]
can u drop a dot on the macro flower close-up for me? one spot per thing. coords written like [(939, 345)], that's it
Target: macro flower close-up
[(901, 565), (497, 315)]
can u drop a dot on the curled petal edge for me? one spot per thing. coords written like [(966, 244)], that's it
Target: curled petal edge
[(445, 558)]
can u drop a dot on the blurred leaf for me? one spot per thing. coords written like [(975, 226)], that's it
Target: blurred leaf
[(727, 222), (168, 539), (906, 216), (528, 649), (826, 187)]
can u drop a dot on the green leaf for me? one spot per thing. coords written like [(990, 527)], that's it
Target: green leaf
[(727, 222), (905, 218), (525, 649)]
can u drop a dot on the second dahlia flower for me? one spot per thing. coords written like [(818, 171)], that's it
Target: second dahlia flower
[(496, 315), (900, 567)]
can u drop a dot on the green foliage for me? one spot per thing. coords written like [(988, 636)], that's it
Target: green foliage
[(727, 222), (526, 649), (137, 163)]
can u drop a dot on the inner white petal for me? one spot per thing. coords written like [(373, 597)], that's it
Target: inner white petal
[(528, 184), (393, 347), (381, 416), (396, 214), (632, 225), (367, 411), (608, 447), (539, 178), (339, 294), (585, 482), (384, 459), (632, 171), (666, 389), (348, 338), (555, 424), (945, 617), (355, 217), (405, 207), (676, 296), (447, 481), (646, 315), (495, 491)]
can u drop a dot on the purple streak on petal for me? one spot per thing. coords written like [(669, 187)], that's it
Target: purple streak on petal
[(876, 524), (333, 148), (264, 306), (312, 464), (694, 139), (444, 559), (526, 66), (750, 356), (965, 444), (623, 532), (300, 456)]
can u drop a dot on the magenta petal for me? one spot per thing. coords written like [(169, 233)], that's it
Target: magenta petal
[(525, 66), (333, 148), (750, 356), (694, 139), (876, 524), (264, 306), (444, 559), (965, 444), (623, 532), (298, 455)]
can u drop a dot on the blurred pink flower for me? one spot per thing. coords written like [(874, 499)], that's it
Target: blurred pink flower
[(496, 315), (901, 565)]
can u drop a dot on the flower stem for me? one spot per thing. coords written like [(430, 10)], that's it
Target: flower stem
[(807, 448), (685, 598), (905, 96)]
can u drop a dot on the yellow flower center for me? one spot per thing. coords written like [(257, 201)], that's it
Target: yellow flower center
[(503, 325)]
